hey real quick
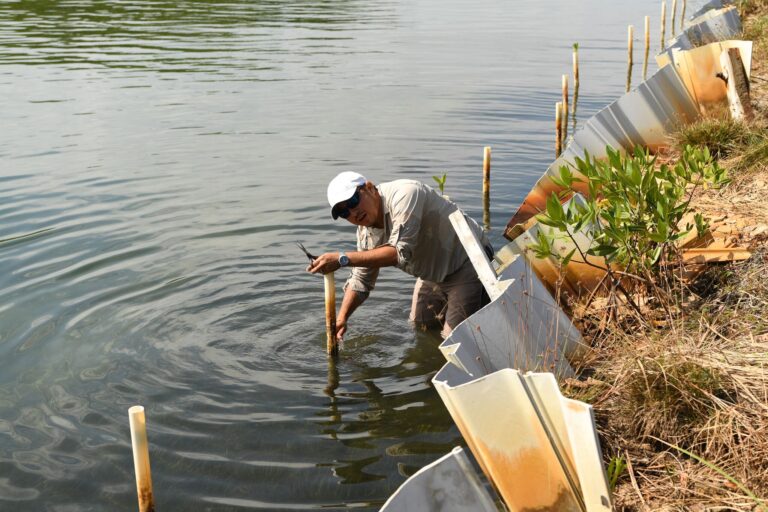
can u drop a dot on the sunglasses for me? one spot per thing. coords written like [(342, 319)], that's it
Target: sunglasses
[(343, 211)]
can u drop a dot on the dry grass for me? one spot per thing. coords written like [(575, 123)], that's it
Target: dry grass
[(700, 384)]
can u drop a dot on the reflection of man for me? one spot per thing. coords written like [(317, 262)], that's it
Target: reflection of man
[(403, 224)]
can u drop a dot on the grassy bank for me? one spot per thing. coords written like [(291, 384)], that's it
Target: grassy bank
[(681, 402)]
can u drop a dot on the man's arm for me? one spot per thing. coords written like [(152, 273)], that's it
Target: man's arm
[(349, 304), (384, 256)]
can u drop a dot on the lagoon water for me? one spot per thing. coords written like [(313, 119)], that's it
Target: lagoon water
[(159, 159)]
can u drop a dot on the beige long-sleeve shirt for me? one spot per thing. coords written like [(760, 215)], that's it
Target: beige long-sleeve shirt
[(416, 224)]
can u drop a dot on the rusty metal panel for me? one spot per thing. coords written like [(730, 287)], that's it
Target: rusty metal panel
[(449, 484), (641, 117), (574, 423), (522, 328), (699, 68), (712, 26), (538, 448), (582, 275)]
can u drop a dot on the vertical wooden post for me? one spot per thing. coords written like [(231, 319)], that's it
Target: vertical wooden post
[(575, 82), (674, 15), (565, 110), (558, 128), (487, 188), (647, 45), (663, 23), (141, 458), (330, 314), (630, 43), (738, 85), (682, 17)]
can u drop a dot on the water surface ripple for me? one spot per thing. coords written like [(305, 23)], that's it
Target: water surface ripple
[(159, 160)]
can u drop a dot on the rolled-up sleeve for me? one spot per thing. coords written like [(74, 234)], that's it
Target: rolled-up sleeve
[(362, 279), (406, 210)]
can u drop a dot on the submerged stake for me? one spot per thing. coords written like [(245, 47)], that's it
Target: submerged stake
[(141, 458), (647, 45), (630, 42), (682, 17), (575, 82), (674, 13), (663, 23), (487, 188), (558, 128), (565, 109), (330, 313)]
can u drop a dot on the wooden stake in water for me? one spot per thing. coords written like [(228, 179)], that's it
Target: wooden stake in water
[(630, 43), (330, 314), (141, 458), (575, 83), (487, 188), (647, 45), (565, 109), (558, 128), (674, 15), (682, 17), (663, 23)]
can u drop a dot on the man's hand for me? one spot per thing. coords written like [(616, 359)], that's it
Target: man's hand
[(341, 329), (328, 262)]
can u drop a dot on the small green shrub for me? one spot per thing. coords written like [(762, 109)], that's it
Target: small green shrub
[(633, 209)]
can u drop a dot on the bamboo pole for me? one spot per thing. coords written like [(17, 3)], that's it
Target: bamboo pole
[(575, 83), (630, 43), (330, 314), (647, 45), (682, 17), (674, 15), (487, 188), (558, 128), (663, 23), (565, 110), (141, 458)]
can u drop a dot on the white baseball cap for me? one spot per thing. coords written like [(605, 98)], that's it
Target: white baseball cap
[(342, 187)]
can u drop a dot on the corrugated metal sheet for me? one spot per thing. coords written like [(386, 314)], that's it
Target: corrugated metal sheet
[(449, 484), (641, 117), (523, 327), (711, 5), (711, 27), (538, 448)]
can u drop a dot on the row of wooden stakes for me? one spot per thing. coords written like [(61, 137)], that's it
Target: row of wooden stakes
[(561, 107)]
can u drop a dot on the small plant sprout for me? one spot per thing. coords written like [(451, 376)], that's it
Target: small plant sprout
[(616, 467), (440, 182)]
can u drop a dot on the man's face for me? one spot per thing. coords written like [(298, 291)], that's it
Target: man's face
[(366, 212)]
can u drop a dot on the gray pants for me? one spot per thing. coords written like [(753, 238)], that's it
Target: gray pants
[(447, 304)]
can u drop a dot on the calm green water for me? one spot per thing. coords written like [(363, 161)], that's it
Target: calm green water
[(158, 160)]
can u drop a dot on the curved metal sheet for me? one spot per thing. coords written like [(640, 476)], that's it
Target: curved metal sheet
[(449, 484), (643, 116)]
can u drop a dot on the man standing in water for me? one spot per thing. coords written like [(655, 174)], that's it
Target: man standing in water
[(403, 224)]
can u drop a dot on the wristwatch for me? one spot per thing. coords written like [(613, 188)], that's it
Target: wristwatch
[(343, 259)]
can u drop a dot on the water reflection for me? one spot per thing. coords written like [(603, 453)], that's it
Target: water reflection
[(409, 409), (214, 37)]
